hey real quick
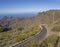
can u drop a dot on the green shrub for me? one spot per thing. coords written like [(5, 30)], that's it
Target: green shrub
[(32, 43), (56, 28), (12, 37), (49, 41)]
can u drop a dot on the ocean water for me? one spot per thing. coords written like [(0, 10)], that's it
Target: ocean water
[(18, 15)]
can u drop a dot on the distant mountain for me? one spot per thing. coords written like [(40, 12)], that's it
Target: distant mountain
[(41, 17)]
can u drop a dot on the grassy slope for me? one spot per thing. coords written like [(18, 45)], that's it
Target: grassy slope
[(48, 42), (11, 37), (56, 28)]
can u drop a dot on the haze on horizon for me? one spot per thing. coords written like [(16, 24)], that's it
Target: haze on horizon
[(27, 6)]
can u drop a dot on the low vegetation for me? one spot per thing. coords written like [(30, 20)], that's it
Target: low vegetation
[(16, 29), (47, 42), (12, 37), (33, 43), (56, 29)]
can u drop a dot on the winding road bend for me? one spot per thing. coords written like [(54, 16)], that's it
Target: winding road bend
[(40, 35)]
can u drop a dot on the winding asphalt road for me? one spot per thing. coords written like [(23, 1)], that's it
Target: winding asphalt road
[(40, 35)]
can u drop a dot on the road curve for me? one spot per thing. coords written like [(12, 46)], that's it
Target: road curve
[(40, 35)]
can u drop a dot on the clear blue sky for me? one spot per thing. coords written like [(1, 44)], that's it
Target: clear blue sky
[(26, 6)]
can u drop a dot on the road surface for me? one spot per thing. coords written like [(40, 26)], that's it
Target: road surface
[(40, 35)]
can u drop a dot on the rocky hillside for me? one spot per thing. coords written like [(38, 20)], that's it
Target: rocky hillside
[(16, 29), (41, 17), (47, 16)]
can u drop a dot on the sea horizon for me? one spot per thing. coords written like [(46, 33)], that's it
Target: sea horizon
[(18, 15)]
